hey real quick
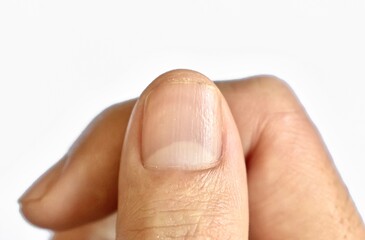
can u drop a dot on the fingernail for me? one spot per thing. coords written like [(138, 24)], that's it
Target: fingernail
[(182, 126), (43, 184)]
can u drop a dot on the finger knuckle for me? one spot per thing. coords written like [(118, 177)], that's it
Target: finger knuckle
[(272, 87)]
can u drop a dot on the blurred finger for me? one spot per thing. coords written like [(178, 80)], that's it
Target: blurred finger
[(295, 191), (103, 229), (83, 186)]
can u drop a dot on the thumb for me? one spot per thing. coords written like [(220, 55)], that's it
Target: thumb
[(182, 172)]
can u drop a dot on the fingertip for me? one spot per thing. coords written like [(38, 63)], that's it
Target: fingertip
[(175, 176), (178, 76), (43, 184)]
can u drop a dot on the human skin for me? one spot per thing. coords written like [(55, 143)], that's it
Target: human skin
[(272, 179)]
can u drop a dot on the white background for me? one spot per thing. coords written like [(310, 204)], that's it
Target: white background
[(62, 62)]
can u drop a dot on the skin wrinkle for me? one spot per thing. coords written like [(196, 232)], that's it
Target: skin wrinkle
[(200, 202), (177, 224)]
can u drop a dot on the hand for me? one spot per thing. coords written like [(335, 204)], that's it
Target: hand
[(230, 160)]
